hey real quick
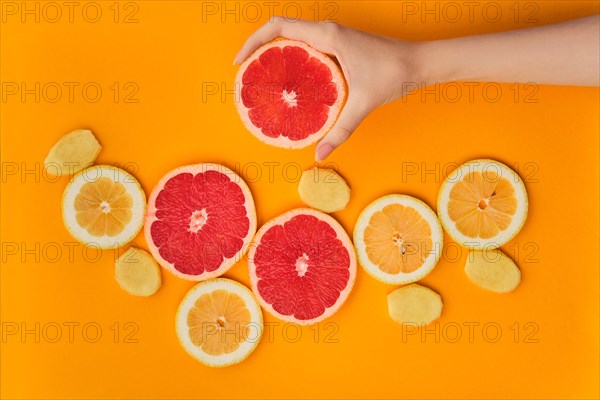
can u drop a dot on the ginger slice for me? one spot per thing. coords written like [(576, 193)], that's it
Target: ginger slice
[(72, 153), (324, 189), (137, 272), (414, 304), (492, 270)]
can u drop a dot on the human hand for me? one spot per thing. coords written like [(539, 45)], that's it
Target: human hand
[(375, 67)]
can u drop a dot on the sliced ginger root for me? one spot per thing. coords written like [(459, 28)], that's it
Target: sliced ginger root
[(492, 270), (324, 189), (137, 272), (414, 304), (72, 153)]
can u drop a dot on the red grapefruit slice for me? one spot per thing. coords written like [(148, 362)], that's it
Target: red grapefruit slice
[(200, 221), (289, 94), (302, 266)]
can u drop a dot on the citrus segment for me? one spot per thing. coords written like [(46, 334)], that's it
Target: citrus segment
[(200, 220), (483, 204), (398, 239), (289, 94), (104, 206), (72, 153), (219, 322), (217, 310), (302, 266)]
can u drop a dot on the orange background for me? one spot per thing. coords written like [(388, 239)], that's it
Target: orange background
[(172, 57)]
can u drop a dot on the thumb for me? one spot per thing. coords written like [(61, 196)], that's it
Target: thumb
[(353, 112)]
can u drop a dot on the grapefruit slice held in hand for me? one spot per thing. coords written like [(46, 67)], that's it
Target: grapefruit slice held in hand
[(103, 206), (219, 322), (483, 204), (302, 266), (398, 239), (289, 94), (200, 221)]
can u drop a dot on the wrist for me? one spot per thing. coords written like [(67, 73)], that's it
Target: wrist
[(437, 62)]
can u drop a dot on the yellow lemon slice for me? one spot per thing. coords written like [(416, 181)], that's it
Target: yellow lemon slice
[(398, 239), (482, 204), (103, 206), (219, 322)]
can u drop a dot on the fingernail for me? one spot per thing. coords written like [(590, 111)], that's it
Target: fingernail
[(323, 151)]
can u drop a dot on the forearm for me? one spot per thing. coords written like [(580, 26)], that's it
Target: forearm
[(560, 54)]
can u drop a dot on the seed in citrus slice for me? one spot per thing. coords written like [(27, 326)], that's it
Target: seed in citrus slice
[(324, 189), (482, 204), (414, 304), (289, 94), (219, 322), (200, 221), (103, 206), (72, 153), (398, 239), (137, 272), (302, 266), (492, 270)]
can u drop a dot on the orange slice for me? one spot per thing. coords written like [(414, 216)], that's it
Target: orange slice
[(398, 239), (219, 322), (104, 206), (483, 204)]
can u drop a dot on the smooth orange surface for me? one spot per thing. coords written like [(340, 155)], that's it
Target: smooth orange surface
[(539, 342)]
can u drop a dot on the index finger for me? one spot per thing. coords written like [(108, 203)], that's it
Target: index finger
[(315, 34)]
